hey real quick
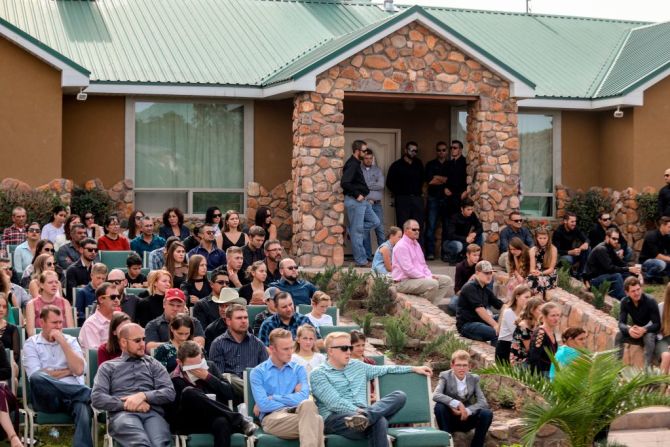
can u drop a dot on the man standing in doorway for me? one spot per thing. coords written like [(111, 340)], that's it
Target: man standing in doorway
[(457, 178), (436, 176), (375, 181), (362, 218), (405, 180)]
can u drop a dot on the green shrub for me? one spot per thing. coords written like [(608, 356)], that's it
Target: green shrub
[(365, 323), (96, 201), (443, 347), (350, 285), (599, 293), (587, 206), (647, 207), (379, 301), (38, 205), (563, 278), (506, 397), (396, 334), (615, 311), (323, 279)]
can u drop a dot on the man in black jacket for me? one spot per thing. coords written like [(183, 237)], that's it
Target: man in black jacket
[(597, 235), (362, 218), (405, 181), (655, 253), (572, 245), (664, 196), (604, 264), (642, 309), (457, 182), (473, 319), (464, 229), (202, 396)]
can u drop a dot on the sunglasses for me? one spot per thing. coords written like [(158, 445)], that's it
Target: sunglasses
[(91, 250), (116, 282), (517, 220), (615, 239), (88, 217), (343, 348), (209, 232), (222, 282), (455, 147), (48, 250), (293, 267), (33, 230), (113, 297), (441, 150), (216, 215), (49, 264), (605, 219), (136, 340), (415, 229)]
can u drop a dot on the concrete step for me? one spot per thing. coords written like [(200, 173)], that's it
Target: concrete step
[(656, 437), (644, 418)]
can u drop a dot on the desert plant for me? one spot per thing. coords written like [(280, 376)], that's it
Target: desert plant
[(599, 293), (396, 334), (38, 205), (379, 301), (365, 322), (585, 396), (563, 278), (96, 201), (323, 279), (587, 205), (506, 397), (349, 286), (444, 346), (647, 207), (615, 311)]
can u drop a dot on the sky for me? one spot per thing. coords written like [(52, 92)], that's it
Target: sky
[(643, 10)]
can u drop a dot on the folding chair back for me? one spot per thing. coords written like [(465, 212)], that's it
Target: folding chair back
[(378, 359), (145, 271), (92, 363), (254, 310), (135, 291), (325, 330), (71, 331), (114, 259), (333, 311)]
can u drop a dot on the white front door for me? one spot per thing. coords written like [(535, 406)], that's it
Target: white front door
[(385, 143)]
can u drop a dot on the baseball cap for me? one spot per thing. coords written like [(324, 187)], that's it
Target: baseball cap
[(174, 294), (271, 292), (228, 296), (484, 266)]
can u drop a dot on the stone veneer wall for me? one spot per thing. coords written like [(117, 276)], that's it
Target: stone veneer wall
[(624, 210), (410, 60), (122, 192), (279, 199)]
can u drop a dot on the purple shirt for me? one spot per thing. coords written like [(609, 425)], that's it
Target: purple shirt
[(408, 261)]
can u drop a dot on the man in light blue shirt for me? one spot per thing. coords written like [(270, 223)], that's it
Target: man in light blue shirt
[(281, 392), (55, 368), (340, 391)]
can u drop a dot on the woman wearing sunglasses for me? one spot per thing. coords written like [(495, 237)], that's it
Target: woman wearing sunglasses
[(43, 247), (43, 263), (50, 289), (25, 251)]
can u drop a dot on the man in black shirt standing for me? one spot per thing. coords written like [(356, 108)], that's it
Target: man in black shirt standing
[(405, 181), (604, 264), (643, 310), (361, 216), (664, 196), (655, 253), (473, 319), (436, 176), (572, 245), (457, 178)]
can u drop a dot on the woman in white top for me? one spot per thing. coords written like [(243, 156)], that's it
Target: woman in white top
[(509, 315), (56, 225), (306, 353), (320, 303)]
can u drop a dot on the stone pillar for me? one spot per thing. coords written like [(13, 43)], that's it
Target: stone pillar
[(318, 157), (493, 154)]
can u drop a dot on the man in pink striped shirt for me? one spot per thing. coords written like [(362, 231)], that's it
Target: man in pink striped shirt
[(409, 270)]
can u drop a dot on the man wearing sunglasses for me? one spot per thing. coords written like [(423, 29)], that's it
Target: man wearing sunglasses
[(69, 253), (514, 228), (95, 329), (134, 388), (301, 290), (597, 235), (436, 176), (86, 296), (604, 264), (340, 390), (664, 196), (128, 300), (25, 251), (206, 310), (79, 273), (405, 181), (213, 254)]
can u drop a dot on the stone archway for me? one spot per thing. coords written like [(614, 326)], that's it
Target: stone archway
[(410, 60)]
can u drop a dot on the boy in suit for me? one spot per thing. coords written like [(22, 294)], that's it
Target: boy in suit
[(460, 404)]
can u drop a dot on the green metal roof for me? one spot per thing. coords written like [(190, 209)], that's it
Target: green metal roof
[(258, 43), (645, 53)]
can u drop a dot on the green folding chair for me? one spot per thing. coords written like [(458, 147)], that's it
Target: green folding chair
[(333, 311), (254, 310), (144, 271), (325, 330), (416, 411), (378, 359), (135, 291), (14, 316), (11, 248), (115, 259), (71, 331)]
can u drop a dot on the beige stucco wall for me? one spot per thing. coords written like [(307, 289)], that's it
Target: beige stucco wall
[(30, 116), (616, 159), (273, 141), (580, 149), (94, 139)]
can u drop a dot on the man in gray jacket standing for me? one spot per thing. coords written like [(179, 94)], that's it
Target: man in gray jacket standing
[(460, 404), (374, 178)]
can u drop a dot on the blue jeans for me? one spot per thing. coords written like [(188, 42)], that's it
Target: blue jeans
[(361, 220), (581, 259), (480, 332), (452, 250), (616, 286), (655, 269), (140, 429), (379, 230), (437, 209), (449, 422), (378, 415), (49, 395)]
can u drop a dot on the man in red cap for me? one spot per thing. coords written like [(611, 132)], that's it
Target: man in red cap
[(158, 330)]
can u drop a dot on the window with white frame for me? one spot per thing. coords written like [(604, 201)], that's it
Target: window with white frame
[(189, 154), (539, 140)]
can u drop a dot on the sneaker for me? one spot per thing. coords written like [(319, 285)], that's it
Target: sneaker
[(248, 428), (357, 422)]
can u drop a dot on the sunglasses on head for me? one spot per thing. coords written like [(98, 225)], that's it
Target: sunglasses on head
[(343, 348)]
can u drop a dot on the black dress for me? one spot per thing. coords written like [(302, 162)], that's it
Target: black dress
[(228, 243), (149, 308), (538, 359), (9, 336), (188, 287), (541, 282), (246, 292)]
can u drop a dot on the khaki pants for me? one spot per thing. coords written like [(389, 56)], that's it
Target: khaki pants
[(305, 424), (429, 288)]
